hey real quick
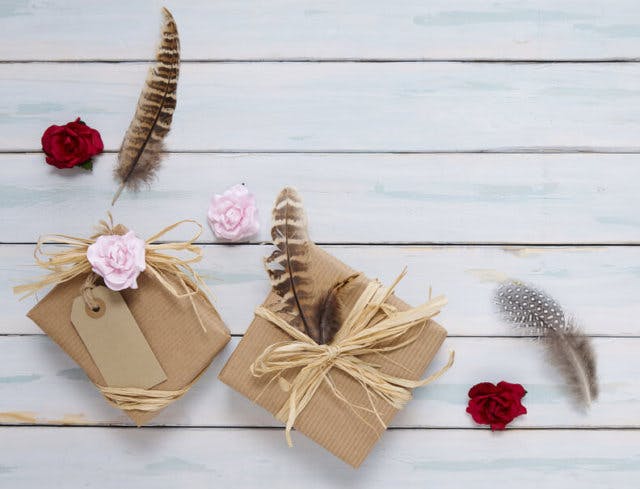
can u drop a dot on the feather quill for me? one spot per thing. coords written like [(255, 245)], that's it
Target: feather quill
[(567, 346), (139, 156)]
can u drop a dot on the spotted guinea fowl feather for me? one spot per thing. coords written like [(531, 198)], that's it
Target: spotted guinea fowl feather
[(529, 308), (568, 348)]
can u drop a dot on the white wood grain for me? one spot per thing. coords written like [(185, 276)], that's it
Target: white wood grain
[(244, 458), (349, 198), (324, 29), (340, 106), (39, 383), (600, 285)]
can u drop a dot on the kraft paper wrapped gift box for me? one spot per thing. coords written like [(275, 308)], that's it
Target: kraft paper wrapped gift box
[(183, 330), (168, 323), (347, 433)]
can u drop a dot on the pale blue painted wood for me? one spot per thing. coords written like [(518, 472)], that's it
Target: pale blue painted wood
[(601, 285), (242, 458), (395, 107), (324, 29), (41, 384), (341, 107), (349, 198)]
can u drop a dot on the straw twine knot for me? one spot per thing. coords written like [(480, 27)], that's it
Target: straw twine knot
[(332, 352), (363, 332), (162, 260)]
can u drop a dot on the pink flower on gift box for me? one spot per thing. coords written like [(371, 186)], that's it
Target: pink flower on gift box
[(233, 215), (118, 259)]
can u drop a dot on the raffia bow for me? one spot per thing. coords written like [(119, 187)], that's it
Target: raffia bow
[(365, 331), (71, 262)]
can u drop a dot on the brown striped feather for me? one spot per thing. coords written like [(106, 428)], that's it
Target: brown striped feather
[(315, 313), (288, 265), (139, 156), (333, 309)]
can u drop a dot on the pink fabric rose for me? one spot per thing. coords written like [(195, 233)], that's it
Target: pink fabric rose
[(233, 215), (118, 259)]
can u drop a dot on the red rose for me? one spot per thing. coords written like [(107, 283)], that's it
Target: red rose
[(496, 405), (72, 144)]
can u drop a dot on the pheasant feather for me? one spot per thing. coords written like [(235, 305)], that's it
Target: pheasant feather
[(332, 311), (288, 266), (568, 348), (139, 156)]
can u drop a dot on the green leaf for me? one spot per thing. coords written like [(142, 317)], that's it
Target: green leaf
[(87, 165)]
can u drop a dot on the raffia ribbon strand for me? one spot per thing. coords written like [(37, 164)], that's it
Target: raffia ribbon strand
[(147, 400), (133, 399), (357, 337), (71, 262)]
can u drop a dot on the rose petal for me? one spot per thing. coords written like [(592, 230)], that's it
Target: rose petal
[(483, 388), (516, 389)]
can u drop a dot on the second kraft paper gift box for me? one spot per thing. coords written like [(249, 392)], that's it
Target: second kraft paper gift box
[(335, 409)]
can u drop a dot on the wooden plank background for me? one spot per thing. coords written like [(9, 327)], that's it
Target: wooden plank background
[(343, 106), (470, 141), (357, 30)]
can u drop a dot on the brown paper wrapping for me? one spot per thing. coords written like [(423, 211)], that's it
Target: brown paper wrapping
[(328, 420), (169, 324)]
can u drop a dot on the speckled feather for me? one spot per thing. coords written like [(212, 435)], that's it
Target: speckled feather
[(568, 348), (528, 307)]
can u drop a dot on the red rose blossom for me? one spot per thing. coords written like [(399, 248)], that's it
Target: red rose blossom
[(70, 145), (496, 405)]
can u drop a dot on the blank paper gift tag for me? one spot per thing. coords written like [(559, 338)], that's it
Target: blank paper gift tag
[(115, 342)]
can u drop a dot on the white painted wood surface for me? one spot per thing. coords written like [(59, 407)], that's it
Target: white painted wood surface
[(168, 458), (281, 93), (373, 198), (324, 29), (42, 385), (596, 283), (341, 106)]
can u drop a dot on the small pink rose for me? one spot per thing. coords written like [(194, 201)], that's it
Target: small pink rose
[(233, 215), (118, 259)]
